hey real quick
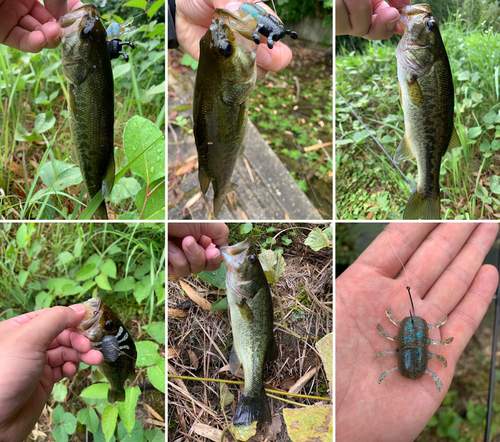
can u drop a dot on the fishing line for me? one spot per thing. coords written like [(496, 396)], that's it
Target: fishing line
[(376, 141)]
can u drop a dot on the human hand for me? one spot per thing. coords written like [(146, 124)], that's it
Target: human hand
[(192, 247), (37, 350), (446, 276), (193, 17), (29, 25), (370, 19)]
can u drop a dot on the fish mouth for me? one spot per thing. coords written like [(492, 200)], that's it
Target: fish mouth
[(70, 21), (240, 29), (89, 327), (413, 13), (234, 257)]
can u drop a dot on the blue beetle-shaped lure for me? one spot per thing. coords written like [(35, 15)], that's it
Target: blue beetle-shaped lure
[(412, 348)]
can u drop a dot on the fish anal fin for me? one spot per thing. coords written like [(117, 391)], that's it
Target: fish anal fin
[(234, 361), (454, 140), (205, 179), (272, 351), (415, 93), (403, 152)]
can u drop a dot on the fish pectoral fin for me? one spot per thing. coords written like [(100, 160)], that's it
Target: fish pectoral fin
[(74, 157), (109, 179), (234, 361), (415, 93), (454, 140), (235, 94), (272, 351), (205, 179), (245, 311), (404, 151), (97, 375)]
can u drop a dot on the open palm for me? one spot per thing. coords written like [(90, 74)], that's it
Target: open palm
[(445, 272)]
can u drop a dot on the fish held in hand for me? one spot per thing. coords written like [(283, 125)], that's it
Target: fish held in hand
[(87, 66), (427, 99), (251, 312), (107, 334), (225, 78)]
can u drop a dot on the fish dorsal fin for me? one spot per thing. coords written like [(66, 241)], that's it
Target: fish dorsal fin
[(403, 152), (415, 93), (454, 140)]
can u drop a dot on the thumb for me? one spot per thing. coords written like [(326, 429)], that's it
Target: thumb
[(46, 326)]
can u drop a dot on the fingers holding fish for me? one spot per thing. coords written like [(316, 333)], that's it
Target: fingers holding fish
[(194, 257), (273, 60), (62, 355)]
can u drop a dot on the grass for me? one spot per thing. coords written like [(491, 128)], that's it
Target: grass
[(367, 184), (34, 128)]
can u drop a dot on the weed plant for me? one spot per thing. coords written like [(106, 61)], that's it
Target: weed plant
[(38, 180), (44, 265), (367, 184)]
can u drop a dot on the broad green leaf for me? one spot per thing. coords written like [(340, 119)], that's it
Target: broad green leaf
[(23, 235), (66, 420), (43, 124), (495, 184), (142, 289), (59, 434), (64, 258), (78, 248), (59, 392), (474, 132), (124, 285), (217, 278), (139, 134), (156, 374), (63, 286), (160, 292), (273, 265), (317, 239), (127, 408), (137, 434), (109, 419), (154, 435), (123, 189), (152, 11), (99, 435), (141, 4), (87, 272), (147, 353), (59, 175), (311, 423), (245, 228), (88, 417), (226, 397), (220, 304), (481, 192), (155, 206), (156, 330), (23, 275), (96, 391), (102, 282), (108, 268)]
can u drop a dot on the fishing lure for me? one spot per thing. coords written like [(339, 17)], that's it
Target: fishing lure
[(412, 348), (113, 33), (110, 345), (266, 24)]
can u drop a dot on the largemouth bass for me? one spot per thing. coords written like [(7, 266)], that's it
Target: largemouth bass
[(87, 66), (251, 311), (107, 334), (426, 94), (225, 78)]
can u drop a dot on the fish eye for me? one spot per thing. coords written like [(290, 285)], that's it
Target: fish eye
[(86, 31), (226, 49), (109, 325), (431, 25), (252, 259)]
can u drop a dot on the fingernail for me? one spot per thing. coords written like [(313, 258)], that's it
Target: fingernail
[(392, 24), (78, 308), (216, 258), (172, 248), (192, 246)]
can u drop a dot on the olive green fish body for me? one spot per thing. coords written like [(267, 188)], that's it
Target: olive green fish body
[(225, 78), (427, 99), (251, 312), (87, 66), (107, 334)]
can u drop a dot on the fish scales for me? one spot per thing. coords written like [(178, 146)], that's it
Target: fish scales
[(427, 99), (225, 78), (251, 312), (87, 66)]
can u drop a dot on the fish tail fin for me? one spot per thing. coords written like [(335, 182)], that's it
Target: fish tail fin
[(115, 396), (421, 206), (101, 211), (252, 408)]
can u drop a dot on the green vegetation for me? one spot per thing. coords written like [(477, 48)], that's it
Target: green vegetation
[(38, 180), (44, 265), (368, 185)]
